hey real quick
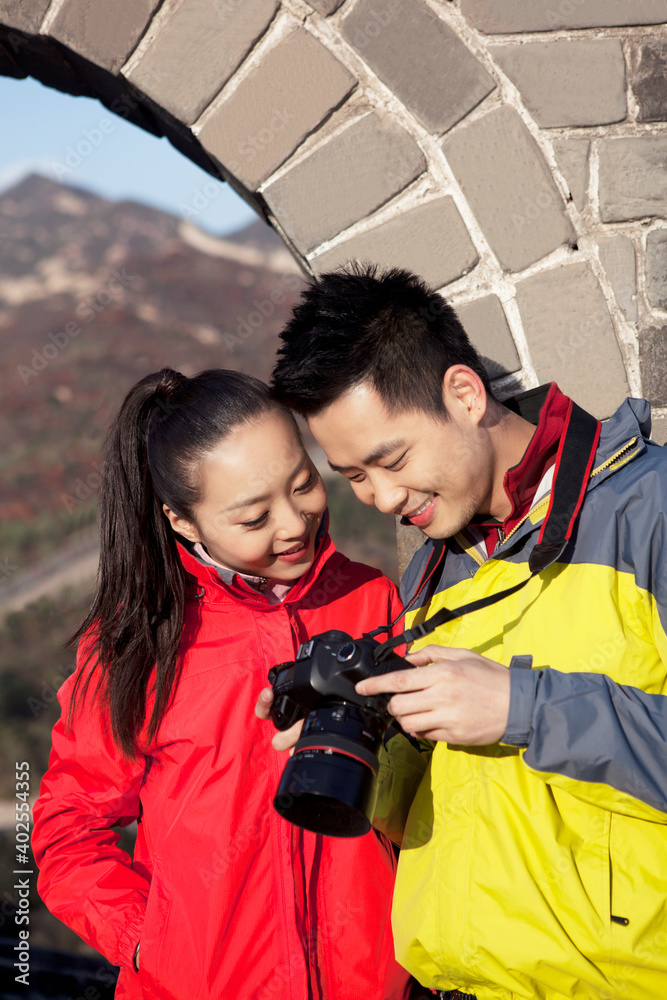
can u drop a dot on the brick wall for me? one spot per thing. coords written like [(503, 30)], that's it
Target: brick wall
[(513, 153)]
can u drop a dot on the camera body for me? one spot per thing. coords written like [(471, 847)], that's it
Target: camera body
[(329, 785)]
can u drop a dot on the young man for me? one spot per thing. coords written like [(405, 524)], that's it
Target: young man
[(523, 874)]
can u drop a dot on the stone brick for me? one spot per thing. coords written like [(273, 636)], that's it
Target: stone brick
[(571, 337), (656, 268), (272, 111), (659, 430), (494, 17), (22, 16), (649, 80), (43, 59), (430, 240), (572, 157), (106, 33), (325, 7), (568, 82), (345, 180), (653, 364), (617, 256), (197, 49), (633, 178), (485, 323), (409, 538), (509, 187), (420, 59)]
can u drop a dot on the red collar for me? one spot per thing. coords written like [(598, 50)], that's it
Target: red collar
[(522, 480), (207, 577)]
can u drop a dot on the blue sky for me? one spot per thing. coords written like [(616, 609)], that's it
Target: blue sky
[(76, 141)]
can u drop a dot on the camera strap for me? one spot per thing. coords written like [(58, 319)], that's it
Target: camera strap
[(574, 463)]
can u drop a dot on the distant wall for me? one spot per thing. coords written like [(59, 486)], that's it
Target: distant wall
[(513, 153)]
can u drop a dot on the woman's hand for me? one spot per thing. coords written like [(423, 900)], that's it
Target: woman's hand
[(457, 696), (285, 740)]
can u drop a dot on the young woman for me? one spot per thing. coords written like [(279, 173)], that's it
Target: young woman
[(215, 564)]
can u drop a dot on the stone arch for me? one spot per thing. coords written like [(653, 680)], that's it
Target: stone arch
[(513, 154)]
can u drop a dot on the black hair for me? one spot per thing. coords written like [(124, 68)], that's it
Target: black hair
[(166, 424), (358, 324)]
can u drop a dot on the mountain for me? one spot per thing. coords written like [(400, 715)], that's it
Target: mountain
[(95, 294)]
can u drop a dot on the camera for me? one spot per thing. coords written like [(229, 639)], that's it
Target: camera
[(329, 785)]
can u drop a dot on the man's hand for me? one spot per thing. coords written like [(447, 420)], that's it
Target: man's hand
[(457, 696), (288, 738)]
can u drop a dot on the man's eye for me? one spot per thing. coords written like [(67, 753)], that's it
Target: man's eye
[(395, 464), (359, 478), (256, 523)]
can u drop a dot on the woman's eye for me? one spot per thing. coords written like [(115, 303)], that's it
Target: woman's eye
[(256, 523), (312, 479)]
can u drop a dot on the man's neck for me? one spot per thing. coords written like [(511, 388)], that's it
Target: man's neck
[(511, 435)]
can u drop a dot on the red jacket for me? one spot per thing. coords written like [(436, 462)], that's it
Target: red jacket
[(229, 901)]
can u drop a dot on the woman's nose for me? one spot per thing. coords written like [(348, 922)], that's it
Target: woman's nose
[(292, 523)]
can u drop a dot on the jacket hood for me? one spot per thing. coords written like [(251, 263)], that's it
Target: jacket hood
[(211, 587)]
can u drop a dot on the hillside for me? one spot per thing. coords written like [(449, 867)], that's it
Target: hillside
[(95, 294)]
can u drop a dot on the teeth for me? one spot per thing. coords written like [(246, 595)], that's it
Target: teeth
[(296, 548), (423, 507)]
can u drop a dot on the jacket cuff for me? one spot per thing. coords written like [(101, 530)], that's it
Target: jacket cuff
[(127, 944), (523, 689)]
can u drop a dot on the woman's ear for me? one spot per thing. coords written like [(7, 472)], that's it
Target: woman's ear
[(179, 524)]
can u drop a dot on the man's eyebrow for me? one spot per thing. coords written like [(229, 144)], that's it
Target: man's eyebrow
[(380, 452), (265, 496)]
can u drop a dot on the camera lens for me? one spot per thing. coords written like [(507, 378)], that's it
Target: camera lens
[(328, 785), (327, 792)]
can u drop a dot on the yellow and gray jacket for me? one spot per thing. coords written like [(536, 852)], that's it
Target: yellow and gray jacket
[(542, 872)]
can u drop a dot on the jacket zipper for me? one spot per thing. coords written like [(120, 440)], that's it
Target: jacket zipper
[(544, 502), (613, 458)]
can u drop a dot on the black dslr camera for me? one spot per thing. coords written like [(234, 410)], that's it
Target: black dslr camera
[(330, 783)]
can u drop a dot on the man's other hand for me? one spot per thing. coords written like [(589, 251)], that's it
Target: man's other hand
[(285, 740), (456, 696)]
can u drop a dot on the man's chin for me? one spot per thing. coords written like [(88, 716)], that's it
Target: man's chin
[(438, 529)]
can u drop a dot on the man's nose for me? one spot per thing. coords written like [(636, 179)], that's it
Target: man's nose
[(388, 496)]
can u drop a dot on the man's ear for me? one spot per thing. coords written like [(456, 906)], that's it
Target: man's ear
[(463, 392), (183, 527)]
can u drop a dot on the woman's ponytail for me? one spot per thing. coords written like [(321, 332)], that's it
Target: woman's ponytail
[(165, 426), (137, 614)]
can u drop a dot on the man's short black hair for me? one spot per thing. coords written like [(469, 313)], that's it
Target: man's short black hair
[(386, 328)]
